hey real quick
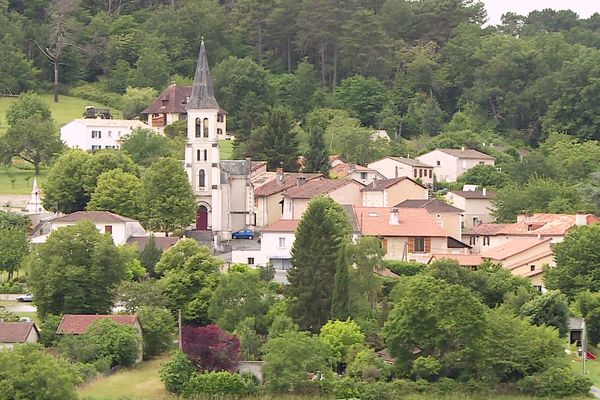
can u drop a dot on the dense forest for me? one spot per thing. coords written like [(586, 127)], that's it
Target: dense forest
[(427, 71)]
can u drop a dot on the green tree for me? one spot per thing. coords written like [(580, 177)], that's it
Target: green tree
[(576, 259), (117, 191), (190, 276), (366, 258), (340, 302), (32, 139), (367, 365), (75, 271), (587, 305), (346, 137), (276, 140), (364, 97), (282, 324), (18, 73), (237, 296), (150, 255), (153, 67), (340, 336), (321, 235), (28, 105), (484, 176), (103, 161), (146, 293), (119, 343), (135, 100), (167, 201), (290, 357), (250, 341), (64, 189), (12, 220), (14, 247), (550, 309), (28, 372), (177, 372), (158, 325), (145, 146), (317, 156)]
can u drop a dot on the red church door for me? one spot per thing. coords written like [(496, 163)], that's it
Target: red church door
[(202, 218)]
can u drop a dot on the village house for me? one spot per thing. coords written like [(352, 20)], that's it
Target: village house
[(268, 196), (120, 228), (336, 159), (342, 191), (77, 324), (524, 257), (407, 234), (357, 172), (541, 226), (396, 167), (171, 106), (447, 216), (449, 164), (97, 133), (477, 206), (13, 333), (387, 192)]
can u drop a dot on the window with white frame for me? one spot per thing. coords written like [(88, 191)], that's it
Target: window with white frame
[(281, 242)]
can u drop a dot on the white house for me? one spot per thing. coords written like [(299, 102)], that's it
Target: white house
[(449, 164), (98, 133), (397, 167), (119, 227)]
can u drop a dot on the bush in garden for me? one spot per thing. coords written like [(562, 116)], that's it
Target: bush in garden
[(555, 382), (367, 365), (427, 368), (177, 372), (119, 342), (219, 383), (158, 324), (210, 348)]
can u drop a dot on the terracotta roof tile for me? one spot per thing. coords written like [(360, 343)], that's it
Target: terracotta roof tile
[(431, 205), (375, 221), (513, 247), (382, 184), (316, 187), (176, 97), (283, 225), (537, 224), (93, 216), (289, 179), (464, 260), (15, 332), (408, 161), (77, 324), (344, 169)]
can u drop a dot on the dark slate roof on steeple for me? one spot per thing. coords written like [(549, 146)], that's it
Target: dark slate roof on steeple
[(203, 96)]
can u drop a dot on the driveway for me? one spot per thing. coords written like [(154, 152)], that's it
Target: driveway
[(595, 391), (16, 307)]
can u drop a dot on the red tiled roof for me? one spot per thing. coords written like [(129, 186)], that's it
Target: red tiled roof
[(387, 273), (431, 205), (289, 180), (408, 161), (316, 187), (77, 324), (93, 216), (15, 332), (375, 221), (475, 194), (464, 260), (537, 224), (382, 184), (467, 153), (254, 165), (283, 225), (512, 247), (344, 169), (176, 97)]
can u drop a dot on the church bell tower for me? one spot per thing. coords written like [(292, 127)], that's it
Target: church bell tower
[(202, 147)]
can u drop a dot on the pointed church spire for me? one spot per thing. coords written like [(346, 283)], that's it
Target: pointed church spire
[(203, 96)]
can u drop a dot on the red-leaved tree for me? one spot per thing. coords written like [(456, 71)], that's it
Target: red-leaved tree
[(210, 348)]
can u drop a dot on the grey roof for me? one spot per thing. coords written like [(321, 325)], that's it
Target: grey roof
[(410, 161), (234, 168), (474, 194), (203, 96), (431, 205), (381, 184), (467, 153), (575, 324)]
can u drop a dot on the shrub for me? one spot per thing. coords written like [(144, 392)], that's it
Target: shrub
[(95, 92), (211, 348), (379, 391), (119, 342), (405, 268), (158, 325), (85, 371), (12, 288), (48, 328), (427, 368), (367, 365), (346, 388), (222, 382), (177, 372), (555, 382)]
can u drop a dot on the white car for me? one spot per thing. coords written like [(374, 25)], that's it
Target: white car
[(25, 298)]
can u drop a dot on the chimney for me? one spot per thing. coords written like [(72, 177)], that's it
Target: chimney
[(394, 217), (300, 181), (279, 175), (525, 217), (484, 192), (580, 219)]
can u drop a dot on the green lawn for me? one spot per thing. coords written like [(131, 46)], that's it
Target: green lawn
[(21, 185), (226, 149), (592, 367), (67, 109)]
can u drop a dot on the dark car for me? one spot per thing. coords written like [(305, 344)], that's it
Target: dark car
[(243, 234)]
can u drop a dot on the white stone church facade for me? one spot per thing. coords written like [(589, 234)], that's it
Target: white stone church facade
[(224, 193)]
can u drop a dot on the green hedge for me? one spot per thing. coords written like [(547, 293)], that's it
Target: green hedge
[(220, 383)]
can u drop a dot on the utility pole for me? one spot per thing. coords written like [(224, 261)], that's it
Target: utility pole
[(179, 329), (584, 346)]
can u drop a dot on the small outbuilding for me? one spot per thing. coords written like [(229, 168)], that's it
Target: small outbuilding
[(12, 333)]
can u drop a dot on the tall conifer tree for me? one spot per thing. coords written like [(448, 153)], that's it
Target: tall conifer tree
[(317, 158)]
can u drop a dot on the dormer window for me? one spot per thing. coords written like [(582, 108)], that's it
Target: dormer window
[(164, 102)]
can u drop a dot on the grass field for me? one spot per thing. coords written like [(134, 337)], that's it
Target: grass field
[(225, 149), (21, 185), (67, 109)]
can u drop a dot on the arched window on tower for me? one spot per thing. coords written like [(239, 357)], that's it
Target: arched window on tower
[(198, 127), (202, 179), (206, 127)]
